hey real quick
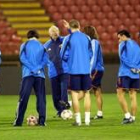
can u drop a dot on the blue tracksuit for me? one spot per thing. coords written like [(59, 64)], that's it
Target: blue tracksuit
[(129, 54), (57, 71), (33, 60), (97, 58), (75, 52)]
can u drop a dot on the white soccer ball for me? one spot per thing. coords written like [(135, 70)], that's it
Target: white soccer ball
[(66, 114), (32, 120)]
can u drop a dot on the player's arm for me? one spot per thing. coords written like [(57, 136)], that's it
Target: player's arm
[(23, 58)]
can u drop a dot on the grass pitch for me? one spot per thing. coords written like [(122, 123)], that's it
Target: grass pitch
[(109, 128)]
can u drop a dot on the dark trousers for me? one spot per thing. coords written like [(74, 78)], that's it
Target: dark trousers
[(59, 86), (27, 84)]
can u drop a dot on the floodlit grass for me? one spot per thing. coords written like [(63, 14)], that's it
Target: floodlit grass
[(109, 128)]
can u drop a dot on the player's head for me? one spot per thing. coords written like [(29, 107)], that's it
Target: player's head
[(123, 35), (54, 32), (91, 32), (74, 24), (32, 33)]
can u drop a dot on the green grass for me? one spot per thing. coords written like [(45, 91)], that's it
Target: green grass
[(109, 128)]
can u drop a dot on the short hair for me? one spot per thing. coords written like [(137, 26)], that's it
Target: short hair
[(53, 28), (124, 32), (32, 33), (74, 24), (91, 32)]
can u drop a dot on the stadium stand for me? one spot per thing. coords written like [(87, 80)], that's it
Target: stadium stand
[(108, 16), (16, 18)]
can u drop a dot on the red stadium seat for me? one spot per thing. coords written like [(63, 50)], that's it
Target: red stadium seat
[(58, 2), (95, 8), (122, 27), (137, 8), (127, 22), (117, 8), (100, 15), (117, 22), (84, 8), (4, 24), (69, 2), (137, 22), (111, 29), (123, 2), (106, 8), (10, 31), (111, 16), (78, 16), (134, 2), (95, 22), (133, 29), (100, 29), (133, 15), (122, 15), (84, 22), (80, 2), (68, 16), (105, 22), (73, 8), (91, 2), (101, 2), (47, 3), (62, 9), (4, 38), (57, 16), (105, 36), (89, 16), (52, 9), (128, 8), (112, 2)]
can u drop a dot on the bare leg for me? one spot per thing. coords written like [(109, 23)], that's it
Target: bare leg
[(99, 100), (133, 98)]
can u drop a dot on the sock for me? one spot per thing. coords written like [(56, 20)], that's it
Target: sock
[(78, 118), (133, 117), (127, 115), (99, 113), (87, 118)]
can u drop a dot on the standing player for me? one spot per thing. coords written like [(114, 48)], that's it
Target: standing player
[(57, 71), (128, 78), (76, 50), (97, 68), (33, 60)]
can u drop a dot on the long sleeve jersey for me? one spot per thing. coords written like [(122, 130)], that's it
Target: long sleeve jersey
[(77, 51), (32, 58), (56, 65), (97, 58), (129, 54)]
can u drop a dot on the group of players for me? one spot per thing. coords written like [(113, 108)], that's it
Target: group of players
[(75, 64)]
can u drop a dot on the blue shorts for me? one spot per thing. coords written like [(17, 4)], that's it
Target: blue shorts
[(96, 78), (80, 82), (128, 83)]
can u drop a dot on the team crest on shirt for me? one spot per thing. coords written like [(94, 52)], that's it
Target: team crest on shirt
[(49, 49)]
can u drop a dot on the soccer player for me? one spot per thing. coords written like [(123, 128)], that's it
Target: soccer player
[(33, 60), (76, 50), (97, 68), (128, 80), (57, 71)]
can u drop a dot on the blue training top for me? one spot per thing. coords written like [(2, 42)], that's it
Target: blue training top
[(129, 54), (33, 58), (56, 65), (76, 49), (97, 58)]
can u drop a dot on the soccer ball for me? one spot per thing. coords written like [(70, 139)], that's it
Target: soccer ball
[(66, 114), (32, 120)]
